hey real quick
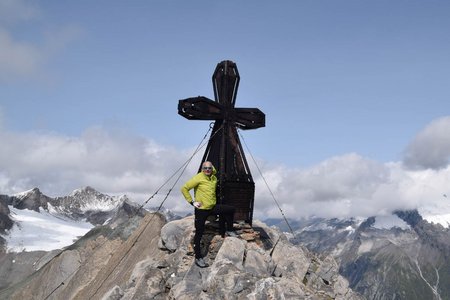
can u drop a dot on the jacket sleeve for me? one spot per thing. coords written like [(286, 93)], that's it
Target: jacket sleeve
[(189, 185)]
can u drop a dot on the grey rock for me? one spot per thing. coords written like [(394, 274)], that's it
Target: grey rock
[(186, 289), (115, 293), (276, 288), (290, 261), (174, 233), (5, 220), (149, 285), (14, 267), (32, 200), (266, 289), (226, 271), (231, 252), (323, 275), (257, 261), (268, 235)]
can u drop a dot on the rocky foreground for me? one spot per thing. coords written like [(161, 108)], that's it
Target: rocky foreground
[(147, 258)]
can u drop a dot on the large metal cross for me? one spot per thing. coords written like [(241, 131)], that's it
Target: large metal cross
[(236, 186)]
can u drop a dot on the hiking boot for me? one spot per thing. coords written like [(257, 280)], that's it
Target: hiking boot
[(201, 262), (231, 234)]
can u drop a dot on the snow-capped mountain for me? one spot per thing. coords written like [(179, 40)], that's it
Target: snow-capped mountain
[(35, 228), (88, 204), (398, 256), (32, 221), (86, 199)]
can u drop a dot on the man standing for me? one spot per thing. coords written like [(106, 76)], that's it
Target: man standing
[(204, 185)]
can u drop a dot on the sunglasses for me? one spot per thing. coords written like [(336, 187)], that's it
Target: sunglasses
[(207, 168)]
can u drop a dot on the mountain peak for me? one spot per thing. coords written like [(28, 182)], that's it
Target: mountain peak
[(87, 198), (411, 217), (32, 199), (85, 190), (33, 192)]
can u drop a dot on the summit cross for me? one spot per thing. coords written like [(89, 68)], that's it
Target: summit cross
[(235, 183)]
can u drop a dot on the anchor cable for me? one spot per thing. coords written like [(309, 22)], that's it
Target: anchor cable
[(185, 164), (267, 185)]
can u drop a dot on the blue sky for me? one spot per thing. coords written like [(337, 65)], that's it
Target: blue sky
[(337, 80)]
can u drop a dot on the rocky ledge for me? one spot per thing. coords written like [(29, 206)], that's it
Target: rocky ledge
[(258, 264)]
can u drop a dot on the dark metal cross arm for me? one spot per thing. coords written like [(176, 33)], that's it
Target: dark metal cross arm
[(202, 108), (249, 118)]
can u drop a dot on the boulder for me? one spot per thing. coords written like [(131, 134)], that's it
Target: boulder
[(257, 261), (174, 233), (115, 293), (290, 261)]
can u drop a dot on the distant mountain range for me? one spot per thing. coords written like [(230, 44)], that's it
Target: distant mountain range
[(33, 221), (399, 256)]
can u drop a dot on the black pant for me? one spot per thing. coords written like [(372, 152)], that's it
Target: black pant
[(226, 215)]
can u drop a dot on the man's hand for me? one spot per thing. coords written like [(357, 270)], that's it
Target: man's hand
[(197, 204)]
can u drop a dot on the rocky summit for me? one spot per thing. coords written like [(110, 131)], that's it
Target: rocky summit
[(147, 258)]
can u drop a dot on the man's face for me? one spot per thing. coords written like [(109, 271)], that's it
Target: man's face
[(207, 169)]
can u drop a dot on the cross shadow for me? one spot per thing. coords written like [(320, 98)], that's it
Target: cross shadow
[(266, 241)]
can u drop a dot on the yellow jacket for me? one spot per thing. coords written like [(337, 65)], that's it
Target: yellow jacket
[(204, 189)]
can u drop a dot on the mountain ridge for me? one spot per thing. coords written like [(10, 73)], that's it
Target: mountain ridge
[(35, 228), (136, 254), (401, 256)]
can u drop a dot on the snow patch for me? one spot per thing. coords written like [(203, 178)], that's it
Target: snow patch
[(365, 246), (391, 221), (99, 205), (318, 226), (350, 230), (338, 250), (437, 214), (443, 219), (42, 230), (24, 194)]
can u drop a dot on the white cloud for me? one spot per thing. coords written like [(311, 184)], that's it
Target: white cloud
[(112, 161), (118, 162), (350, 186), (339, 186), (431, 147)]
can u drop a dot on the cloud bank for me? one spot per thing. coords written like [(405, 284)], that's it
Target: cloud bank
[(111, 160), (115, 161), (350, 186), (430, 149)]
